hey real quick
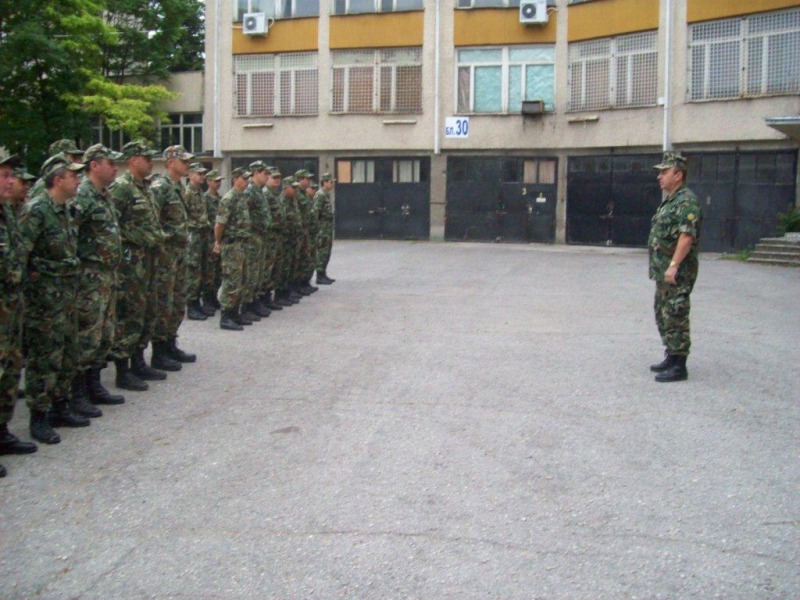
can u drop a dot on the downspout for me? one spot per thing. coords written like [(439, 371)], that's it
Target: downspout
[(436, 77), (217, 25), (667, 143)]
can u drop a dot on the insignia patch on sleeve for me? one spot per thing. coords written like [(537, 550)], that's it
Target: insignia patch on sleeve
[(691, 216)]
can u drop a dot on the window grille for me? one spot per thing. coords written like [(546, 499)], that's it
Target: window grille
[(276, 84), (498, 80), (614, 72), (184, 129), (101, 134), (377, 81), (354, 7), (278, 9), (757, 55)]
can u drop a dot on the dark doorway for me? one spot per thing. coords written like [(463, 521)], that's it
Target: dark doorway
[(287, 165), (503, 199)]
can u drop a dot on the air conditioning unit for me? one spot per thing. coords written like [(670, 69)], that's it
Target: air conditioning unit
[(533, 11), (532, 107), (254, 24)]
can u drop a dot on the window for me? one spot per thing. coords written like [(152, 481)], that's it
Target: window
[(406, 171), (377, 81), (497, 80), (278, 9), (276, 84), (487, 3), (184, 129), (101, 134), (354, 7), (613, 72), (355, 171), (757, 55)]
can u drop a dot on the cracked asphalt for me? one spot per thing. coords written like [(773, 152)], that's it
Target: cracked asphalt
[(445, 421)]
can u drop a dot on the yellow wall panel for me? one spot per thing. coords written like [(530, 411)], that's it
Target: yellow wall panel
[(496, 27), (608, 18), (388, 30), (290, 35), (704, 10)]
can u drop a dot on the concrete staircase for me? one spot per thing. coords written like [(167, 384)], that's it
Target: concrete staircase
[(783, 251)]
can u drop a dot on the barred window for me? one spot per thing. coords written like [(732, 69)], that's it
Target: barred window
[(354, 7), (613, 72), (498, 80), (377, 81), (278, 9), (276, 84), (184, 129), (757, 55)]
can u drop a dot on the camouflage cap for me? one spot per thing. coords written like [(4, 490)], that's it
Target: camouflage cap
[(303, 174), (313, 184), (99, 151), (275, 172), (59, 161), (240, 172), (197, 168), (214, 175), (22, 173), (258, 165), (178, 152), (12, 160), (327, 177), (290, 181), (672, 159), (137, 148), (65, 146)]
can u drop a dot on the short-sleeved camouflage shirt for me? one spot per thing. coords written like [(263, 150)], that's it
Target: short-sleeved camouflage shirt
[(678, 213)]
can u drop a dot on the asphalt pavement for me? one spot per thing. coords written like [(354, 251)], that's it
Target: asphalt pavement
[(446, 421)]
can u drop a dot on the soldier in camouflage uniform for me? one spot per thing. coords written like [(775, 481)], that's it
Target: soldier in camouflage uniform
[(276, 237), (198, 248), (323, 210), (11, 276), (142, 238), (167, 194), (50, 247), (305, 264), (260, 221), (285, 295), (69, 150), (20, 191), (231, 233), (212, 272), (674, 264), (99, 250)]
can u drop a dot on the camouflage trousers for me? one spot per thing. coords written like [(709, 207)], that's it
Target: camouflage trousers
[(170, 292), (51, 328), (10, 351), (234, 274), (324, 245), (96, 308), (254, 247), (277, 240), (301, 257), (672, 304), (198, 262), (212, 276), (136, 301), (311, 259), (270, 257), (288, 252)]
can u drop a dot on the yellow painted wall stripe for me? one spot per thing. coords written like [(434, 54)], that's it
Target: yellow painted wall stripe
[(608, 18), (705, 10), (495, 27), (289, 35), (387, 30)]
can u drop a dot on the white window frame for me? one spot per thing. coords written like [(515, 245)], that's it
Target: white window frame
[(377, 7), (177, 122), (272, 9), (276, 64), (101, 134), (505, 65)]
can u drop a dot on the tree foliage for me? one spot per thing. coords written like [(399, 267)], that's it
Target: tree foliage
[(64, 62)]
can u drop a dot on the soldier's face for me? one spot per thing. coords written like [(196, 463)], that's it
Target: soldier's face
[(274, 181), (106, 170), (69, 183), (240, 183), (670, 179), (260, 178), (214, 184), (140, 166), (19, 190), (6, 182), (327, 186), (181, 166), (197, 179)]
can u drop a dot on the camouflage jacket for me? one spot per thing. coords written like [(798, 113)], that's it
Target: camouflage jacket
[(234, 213), (136, 212), (212, 204), (291, 214), (196, 208), (168, 198), (323, 209), (260, 216), (99, 239), (49, 239), (275, 209), (12, 267), (678, 213)]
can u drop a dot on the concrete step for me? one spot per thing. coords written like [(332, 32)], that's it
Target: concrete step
[(775, 253), (775, 261), (784, 251)]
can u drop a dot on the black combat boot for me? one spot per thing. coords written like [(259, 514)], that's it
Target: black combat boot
[(300, 290), (239, 316), (209, 309), (3, 471), (272, 303), (675, 372), (663, 365), (142, 370), (227, 321), (126, 380), (328, 277), (61, 415), (194, 311), (282, 298), (210, 299), (41, 430), (260, 308), (249, 315), (96, 391), (177, 354), (322, 279), (162, 360), (307, 285), (79, 403), (11, 444)]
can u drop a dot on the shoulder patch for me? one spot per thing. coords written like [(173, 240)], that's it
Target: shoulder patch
[(691, 216)]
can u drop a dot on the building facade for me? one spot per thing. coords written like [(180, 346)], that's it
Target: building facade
[(513, 120)]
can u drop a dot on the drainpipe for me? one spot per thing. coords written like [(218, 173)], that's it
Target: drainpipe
[(217, 25), (436, 77), (667, 143)]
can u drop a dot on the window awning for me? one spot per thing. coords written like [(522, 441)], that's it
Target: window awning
[(787, 125)]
